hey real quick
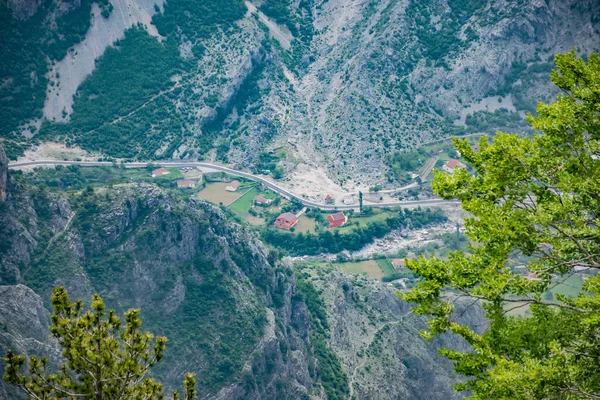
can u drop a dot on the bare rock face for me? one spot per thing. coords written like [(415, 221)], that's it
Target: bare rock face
[(24, 9), (24, 322), (376, 338), (3, 175), (204, 282)]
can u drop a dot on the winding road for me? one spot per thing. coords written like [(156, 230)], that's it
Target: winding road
[(208, 167)]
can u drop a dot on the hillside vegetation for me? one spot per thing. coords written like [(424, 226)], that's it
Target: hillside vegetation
[(342, 85)]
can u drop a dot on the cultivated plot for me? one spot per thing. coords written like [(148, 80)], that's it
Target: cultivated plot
[(216, 193), (368, 267)]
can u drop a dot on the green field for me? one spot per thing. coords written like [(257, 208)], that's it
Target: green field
[(363, 221), (443, 156), (216, 193), (369, 267), (243, 203), (570, 287), (269, 195), (256, 221), (174, 173), (386, 266)]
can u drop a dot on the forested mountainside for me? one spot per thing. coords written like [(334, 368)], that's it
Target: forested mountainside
[(340, 85), (234, 313)]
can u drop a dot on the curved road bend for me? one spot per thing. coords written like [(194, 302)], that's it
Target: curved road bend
[(213, 167)]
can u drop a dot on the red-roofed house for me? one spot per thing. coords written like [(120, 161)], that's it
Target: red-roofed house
[(337, 219), (453, 165), (328, 199), (286, 220), (262, 200), (160, 172), (185, 183), (232, 186)]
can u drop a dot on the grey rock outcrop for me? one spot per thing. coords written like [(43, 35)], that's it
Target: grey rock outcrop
[(376, 337), (201, 280), (24, 328), (24, 9), (3, 175)]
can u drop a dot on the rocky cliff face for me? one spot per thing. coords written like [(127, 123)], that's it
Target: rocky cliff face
[(3, 175), (381, 76), (204, 283), (376, 338), (24, 327)]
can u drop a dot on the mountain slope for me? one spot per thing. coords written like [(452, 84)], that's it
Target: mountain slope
[(234, 314), (376, 337), (204, 283), (340, 85)]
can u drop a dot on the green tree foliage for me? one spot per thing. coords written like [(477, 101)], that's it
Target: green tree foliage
[(437, 42), (360, 201), (198, 18), (536, 197), (278, 10), (116, 90), (105, 358)]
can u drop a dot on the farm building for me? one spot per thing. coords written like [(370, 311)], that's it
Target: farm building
[(286, 220), (261, 200), (453, 165), (160, 172), (337, 219), (185, 183), (232, 186)]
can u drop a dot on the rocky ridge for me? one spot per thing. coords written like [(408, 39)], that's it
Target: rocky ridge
[(376, 338), (197, 260), (379, 83)]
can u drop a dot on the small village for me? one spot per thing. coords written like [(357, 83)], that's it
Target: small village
[(286, 220), (259, 208)]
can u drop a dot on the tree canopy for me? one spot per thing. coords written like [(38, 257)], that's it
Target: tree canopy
[(104, 357), (534, 202)]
